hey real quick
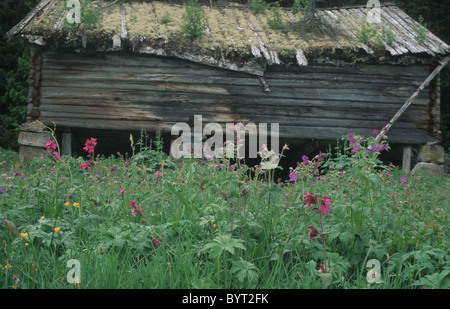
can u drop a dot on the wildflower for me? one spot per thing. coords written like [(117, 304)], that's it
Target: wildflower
[(43, 217), (156, 242), (352, 140), (7, 266), (375, 132), (57, 229), (406, 202), (322, 268), (293, 176), (313, 232), (136, 210), (23, 235), (349, 135), (324, 207), (86, 165), (70, 196), (121, 191), (202, 163), (112, 169), (309, 199), (89, 146), (355, 149), (126, 164), (51, 148), (402, 180), (158, 174), (305, 160), (387, 174), (76, 205), (17, 174), (1, 191), (66, 204), (26, 244), (16, 281)]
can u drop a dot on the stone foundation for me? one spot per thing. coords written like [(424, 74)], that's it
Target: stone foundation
[(32, 139)]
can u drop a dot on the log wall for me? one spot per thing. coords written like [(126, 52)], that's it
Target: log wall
[(125, 92)]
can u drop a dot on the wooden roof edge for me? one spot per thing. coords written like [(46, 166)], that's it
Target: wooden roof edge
[(24, 22)]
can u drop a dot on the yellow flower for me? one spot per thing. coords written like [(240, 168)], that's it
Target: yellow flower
[(57, 229), (76, 205), (214, 225), (26, 244), (43, 217), (23, 235), (7, 266), (66, 204)]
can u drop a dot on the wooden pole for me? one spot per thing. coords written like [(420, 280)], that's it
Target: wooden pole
[(406, 162), (435, 72), (66, 143)]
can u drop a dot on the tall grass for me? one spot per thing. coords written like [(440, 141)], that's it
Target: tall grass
[(209, 224)]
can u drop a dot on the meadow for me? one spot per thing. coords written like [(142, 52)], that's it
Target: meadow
[(342, 220)]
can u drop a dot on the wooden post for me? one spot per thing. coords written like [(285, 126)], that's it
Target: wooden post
[(406, 163), (66, 147)]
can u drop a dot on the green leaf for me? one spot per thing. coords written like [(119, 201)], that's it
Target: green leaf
[(223, 243)]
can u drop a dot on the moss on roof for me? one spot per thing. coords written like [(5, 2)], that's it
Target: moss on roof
[(233, 33)]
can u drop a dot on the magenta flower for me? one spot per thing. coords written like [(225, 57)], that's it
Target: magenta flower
[(121, 191), (355, 149), (313, 232), (85, 166), (352, 140), (89, 146), (349, 134), (402, 180), (305, 160), (375, 132), (324, 207), (156, 242), (1, 191), (158, 174), (112, 169), (293, 176), (309, 199)]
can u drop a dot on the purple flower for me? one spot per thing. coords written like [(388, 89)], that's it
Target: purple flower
[(1, 191), (402, 180), (349, 135), (352, 140), (355, 149), (375, 132), (293, 176), (387, 174), (305, 160), (112, 169), (17, 174), (126, 164)]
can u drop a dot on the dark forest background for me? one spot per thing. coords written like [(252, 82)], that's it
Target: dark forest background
[(14, 60)]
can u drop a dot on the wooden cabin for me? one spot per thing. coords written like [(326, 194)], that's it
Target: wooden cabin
[(135, 68)]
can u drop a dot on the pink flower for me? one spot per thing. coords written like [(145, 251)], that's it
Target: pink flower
[(309, 199), (136, 210), (355, 149), (156, 242), (121, 191), (324, 207), (51, 148), (313, 232), (322, 268), (89, 145), (158, 174), (86, 165), (375, 132)]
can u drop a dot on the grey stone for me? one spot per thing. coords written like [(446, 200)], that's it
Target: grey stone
[(431, 169), (27, 153), (33, 139), (431, 153)]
